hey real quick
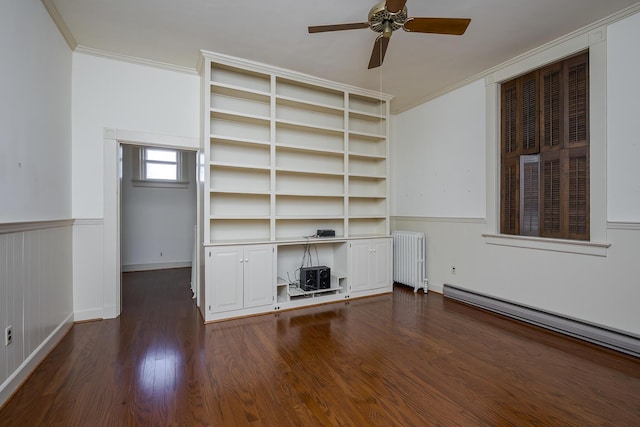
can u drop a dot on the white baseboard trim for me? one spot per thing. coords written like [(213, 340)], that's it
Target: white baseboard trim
[(607, 337), (110, 312), (155, 266), (436, 287), (15, 380), (89, 314)]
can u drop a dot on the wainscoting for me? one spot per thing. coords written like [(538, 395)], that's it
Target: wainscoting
[(88, 270), (37, 295)]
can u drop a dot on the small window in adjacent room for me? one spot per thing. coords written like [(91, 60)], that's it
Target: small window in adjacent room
[(160, 164), (160, 167)]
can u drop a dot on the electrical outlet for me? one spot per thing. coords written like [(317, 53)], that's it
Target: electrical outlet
[(8, 335), (453, 269)]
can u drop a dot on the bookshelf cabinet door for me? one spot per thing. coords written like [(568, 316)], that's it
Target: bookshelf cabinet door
[(369, 265), (225, 278), (258, 275)]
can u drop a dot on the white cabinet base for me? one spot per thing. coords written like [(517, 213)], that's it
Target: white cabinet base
[(370, 266), (241, 280)]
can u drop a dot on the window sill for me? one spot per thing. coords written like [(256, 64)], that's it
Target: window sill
[(159, 183), (546, 244)]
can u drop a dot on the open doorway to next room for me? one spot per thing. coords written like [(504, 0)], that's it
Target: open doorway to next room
[(158, 204)]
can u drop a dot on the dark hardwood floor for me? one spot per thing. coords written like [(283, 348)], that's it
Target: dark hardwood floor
[(400, 359)]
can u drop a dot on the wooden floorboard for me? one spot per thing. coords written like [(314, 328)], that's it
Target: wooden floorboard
[(400, 359)]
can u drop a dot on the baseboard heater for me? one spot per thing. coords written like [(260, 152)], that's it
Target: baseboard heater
[(616, 340)]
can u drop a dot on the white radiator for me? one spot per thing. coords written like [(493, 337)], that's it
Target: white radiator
[(409, 259)]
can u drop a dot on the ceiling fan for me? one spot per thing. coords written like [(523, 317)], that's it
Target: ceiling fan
[(390, 15)]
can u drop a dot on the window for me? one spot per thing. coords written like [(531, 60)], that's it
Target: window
[(160, 164), (544, 153), (160, 167)]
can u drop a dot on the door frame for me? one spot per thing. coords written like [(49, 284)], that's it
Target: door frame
[(113, 140)]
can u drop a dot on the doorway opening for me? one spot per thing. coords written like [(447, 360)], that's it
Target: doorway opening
[(157, 209), (141, 215)]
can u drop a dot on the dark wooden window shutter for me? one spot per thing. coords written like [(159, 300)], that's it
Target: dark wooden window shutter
[(577, 84), (551, 105), (544, 151), (510, 188), (509, 113), (530, 195), (551, 210), (578, 193), (529, 114)]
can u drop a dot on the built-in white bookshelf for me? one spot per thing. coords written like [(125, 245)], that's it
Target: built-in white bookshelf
[(287, 154), (284, 155)]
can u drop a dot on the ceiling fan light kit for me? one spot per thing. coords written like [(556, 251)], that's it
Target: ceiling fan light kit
[(390, 15), (380, 18)]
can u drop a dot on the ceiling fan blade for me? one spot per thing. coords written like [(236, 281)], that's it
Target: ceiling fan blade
[(454, 26), (338, 27), (379, 49), (394, 6)]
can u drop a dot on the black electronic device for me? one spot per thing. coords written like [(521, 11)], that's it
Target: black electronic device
[(308, 279), (326, 233), (315, 278), (324, 278)]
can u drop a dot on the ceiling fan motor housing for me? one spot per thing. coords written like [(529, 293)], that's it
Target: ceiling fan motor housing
[(380, 19)]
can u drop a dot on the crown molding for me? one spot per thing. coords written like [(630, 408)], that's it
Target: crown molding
[(62, 26), (74, 46), (593, 27), (134, 60)]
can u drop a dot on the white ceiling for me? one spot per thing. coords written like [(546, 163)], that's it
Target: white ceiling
[(417, 66)]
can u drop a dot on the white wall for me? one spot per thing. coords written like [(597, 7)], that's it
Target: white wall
[(623, 180), (116, 95), (592, 283), (35, 188), (35, 129), (439, 157), (109, 93), (156, 222)]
